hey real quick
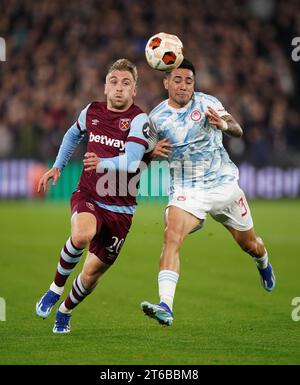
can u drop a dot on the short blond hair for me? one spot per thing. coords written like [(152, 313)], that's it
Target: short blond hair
[(124, 65)]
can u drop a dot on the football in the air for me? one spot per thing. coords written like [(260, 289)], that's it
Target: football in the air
[(164, 52)]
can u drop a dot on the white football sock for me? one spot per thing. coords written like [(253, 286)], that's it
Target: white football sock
[(167, 281), (262, 262), (64, 309), (57, 289)]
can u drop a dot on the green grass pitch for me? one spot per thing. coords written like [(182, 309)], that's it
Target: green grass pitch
[(222, 315)]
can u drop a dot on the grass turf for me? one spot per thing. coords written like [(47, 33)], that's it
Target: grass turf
[(222, 315)]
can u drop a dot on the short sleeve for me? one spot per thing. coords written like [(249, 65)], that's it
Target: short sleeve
[(217, 106)]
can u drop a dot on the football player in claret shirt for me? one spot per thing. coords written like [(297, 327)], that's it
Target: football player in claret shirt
[(102, 207)]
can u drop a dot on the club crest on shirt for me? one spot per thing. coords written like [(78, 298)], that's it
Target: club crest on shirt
[(196, 115), (124, 124)]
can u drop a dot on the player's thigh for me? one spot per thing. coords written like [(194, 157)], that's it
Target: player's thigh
[(179, 223), (85, 220), (107, 244)]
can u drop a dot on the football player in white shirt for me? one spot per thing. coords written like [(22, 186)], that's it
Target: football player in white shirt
[(190, 126)]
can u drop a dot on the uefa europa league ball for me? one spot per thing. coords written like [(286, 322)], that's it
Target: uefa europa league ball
[(164, 52)]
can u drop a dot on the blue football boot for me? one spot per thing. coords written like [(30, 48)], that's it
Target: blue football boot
[(62, 323), (267, 277), (160, 312), (45, 304)]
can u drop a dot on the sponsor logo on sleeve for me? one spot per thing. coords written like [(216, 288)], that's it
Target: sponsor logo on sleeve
[(146, 130)]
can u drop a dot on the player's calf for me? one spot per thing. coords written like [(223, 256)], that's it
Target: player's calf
[(77, 294), (69, 257), (254, 246)]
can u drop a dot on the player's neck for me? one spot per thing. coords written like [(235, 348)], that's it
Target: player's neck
[(175, 105), (113, 109)]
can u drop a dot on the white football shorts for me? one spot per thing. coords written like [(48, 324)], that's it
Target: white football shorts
[(227, 204)]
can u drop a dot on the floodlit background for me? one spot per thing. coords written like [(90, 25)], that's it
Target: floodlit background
[(57, 55)]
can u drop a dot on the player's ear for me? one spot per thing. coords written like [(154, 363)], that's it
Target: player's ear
[(166, 83), (105, 84), (134, 91)]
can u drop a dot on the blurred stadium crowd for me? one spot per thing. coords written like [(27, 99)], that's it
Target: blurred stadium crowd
[(58, 53)]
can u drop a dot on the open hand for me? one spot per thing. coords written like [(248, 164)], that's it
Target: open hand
[(54, 174), (161, 149), (214, 118)]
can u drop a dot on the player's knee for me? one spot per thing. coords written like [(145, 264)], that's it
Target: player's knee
[(172, 237), (81, 239)]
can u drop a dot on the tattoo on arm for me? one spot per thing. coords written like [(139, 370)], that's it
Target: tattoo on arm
[(234, 129)]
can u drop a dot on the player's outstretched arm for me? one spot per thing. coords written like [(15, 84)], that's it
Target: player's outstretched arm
[(54, 174), (226, 124), (70, 141), (128, 162)]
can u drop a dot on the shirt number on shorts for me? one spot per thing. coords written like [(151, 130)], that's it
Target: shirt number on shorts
[(116, 246), (243, 206)]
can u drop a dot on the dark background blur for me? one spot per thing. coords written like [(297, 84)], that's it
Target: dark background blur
[(58, 53)]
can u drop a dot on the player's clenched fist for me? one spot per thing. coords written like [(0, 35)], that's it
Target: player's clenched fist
[(90, 161)]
